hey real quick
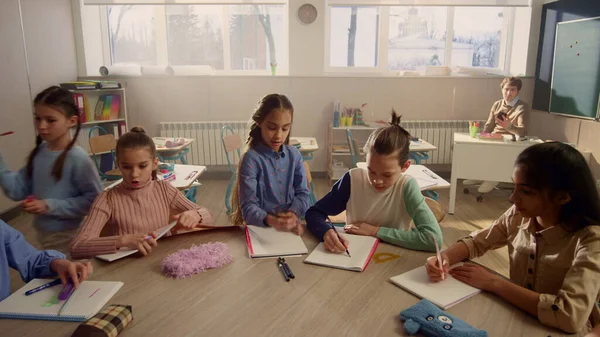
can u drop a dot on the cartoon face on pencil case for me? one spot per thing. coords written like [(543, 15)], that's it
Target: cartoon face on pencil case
[(426, 318)]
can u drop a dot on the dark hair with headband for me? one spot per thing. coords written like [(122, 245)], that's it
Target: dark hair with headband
[(392, 139)]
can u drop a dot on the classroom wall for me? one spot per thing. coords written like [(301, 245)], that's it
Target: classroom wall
[(152, 100), (50, 47), (583, 133)]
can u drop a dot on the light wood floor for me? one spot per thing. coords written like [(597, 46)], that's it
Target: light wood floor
[(470, 215)]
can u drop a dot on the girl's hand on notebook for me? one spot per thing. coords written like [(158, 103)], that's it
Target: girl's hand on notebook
[(333, 244), (35, 206), (433, 267), (138, 241), (76, 271), (188, 219), (361, 228), (475, 275)]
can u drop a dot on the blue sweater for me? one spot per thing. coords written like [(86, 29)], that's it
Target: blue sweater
[(18, 254), (272, 182), (68, 199)]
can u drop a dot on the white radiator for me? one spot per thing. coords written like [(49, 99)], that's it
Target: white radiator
[(440, 134), (208, 148)]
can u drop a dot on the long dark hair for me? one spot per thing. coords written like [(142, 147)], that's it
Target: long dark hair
[(392, 139), (265, 106), (136, 139), (61, 100), (558, 167)]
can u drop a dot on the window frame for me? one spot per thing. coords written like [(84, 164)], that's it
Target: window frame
[(383, 43), (162, 51)]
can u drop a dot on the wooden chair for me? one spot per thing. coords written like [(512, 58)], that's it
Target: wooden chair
[(311, 187), (104, 144), (232, 144), (436, 208)]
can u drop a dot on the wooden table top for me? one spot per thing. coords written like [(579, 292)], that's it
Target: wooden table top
[(250, 298)]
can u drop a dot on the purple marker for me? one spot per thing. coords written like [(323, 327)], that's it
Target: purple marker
[(66, 291)]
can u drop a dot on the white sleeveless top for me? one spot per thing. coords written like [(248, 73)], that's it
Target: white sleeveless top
[(383, 209)]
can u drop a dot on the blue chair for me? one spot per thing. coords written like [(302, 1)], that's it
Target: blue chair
[(232, 144), (353, 147), (104, 144), (311, 187), (418, 156), (182, 156)]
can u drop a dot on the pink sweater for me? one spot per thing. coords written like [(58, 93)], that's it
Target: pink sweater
[(127, 210)]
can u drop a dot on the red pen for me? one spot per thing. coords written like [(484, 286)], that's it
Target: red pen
[(6, 133)]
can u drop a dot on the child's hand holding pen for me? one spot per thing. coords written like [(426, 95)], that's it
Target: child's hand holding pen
[(142, 242), (436, 271), (285, 222)]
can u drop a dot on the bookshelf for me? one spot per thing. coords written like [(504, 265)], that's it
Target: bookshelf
[(338, 153), (99, 110)]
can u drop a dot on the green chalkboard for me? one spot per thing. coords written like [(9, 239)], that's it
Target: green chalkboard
[(576, 72)]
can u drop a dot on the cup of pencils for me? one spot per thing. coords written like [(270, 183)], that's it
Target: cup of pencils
[(473, 129)]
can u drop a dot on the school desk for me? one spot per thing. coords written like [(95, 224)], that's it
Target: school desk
[(250, 297), (185, 176), (420, 172), (308, 145), (487, 160), (172, 153)]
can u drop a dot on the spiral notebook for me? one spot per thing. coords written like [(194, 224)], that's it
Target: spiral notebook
[(361, 250), (84, 303), (444, 294)]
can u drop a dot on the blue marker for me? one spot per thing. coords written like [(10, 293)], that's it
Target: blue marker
[(42, 287)]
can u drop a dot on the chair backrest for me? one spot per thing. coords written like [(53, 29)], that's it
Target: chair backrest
[(436, 208), (353, 147), (308, 175), (232, 144), (103, 143)]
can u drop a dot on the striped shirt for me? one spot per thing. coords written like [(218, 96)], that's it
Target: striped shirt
[(127, 210)]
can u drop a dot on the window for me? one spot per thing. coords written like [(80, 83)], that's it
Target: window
[(225, 37), (417, 37), (353, 35), (400, 38), (132, 34), (477, 35)]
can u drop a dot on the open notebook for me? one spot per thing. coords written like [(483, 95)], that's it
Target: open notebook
[(267, 242), (85, 302), (444, 294), (361, 249), (125, 251)]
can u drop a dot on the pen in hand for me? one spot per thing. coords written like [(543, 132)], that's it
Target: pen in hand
[(338, 235), (438, 255)]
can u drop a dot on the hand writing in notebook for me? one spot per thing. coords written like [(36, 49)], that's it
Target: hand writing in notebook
[(141, 242), (332, 242), (475, 276), (76, 271), (361, 228), (433, 267)]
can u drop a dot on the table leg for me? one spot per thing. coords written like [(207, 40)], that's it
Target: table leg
[(453, 185)]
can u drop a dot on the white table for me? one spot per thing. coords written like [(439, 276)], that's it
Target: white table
[(488, 160), (185, 176), (423, 175), (421, 146)]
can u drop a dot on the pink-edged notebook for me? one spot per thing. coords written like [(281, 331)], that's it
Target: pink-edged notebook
[(361, 250), (267, 242)]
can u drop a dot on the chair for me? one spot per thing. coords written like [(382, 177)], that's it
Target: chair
[(436, 208), (311, 187), (182, 156), (232, 144), (353, 147), (104, 144)]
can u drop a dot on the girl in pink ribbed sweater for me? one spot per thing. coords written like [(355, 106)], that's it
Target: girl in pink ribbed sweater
[(137, 207)]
